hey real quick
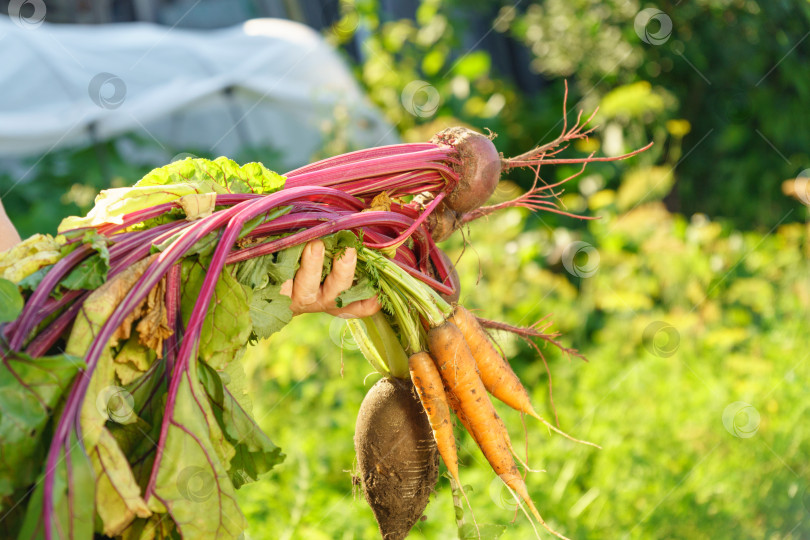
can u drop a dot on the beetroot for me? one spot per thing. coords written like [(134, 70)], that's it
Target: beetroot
[(443, 222), (478, 171), (396, 455)]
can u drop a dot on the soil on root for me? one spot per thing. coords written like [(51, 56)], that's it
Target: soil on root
[(396, 456)]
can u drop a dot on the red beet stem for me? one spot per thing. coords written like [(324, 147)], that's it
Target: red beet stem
[(133, 218), (236, 220), (47, 338), (173, 298), (361, 155), (348, 222), (40, 295), (387, 165), (410, 230)]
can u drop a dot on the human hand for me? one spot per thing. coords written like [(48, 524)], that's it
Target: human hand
[(310, 296), (9, 237)]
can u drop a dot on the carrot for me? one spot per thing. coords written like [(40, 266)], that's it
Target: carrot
[(430, 389), (455, 404), (428, 384), (472, 405), (497, 375)]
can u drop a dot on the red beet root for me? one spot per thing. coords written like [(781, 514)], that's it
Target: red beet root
[(479, 170)]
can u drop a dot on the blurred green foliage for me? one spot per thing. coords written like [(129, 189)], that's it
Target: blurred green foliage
[(62, 184), (733, 72), (424, 76), (734, 69)]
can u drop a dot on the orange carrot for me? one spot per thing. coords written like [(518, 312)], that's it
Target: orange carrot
[(472, 405), (429, 387), (431, 393), (524, 494), (496, 373)]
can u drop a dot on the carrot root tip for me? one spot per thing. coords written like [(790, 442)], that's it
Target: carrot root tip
[(555, 429)]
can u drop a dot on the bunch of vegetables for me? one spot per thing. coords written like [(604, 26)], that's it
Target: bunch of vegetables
[(122, 403)]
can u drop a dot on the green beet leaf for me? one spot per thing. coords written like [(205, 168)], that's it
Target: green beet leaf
[(192, 479), (30, 389), (269, 311), (255, 452), (11, 301), (119, 499), (73, 498), (363, 286), (154, 528), (92, 272), (221, 175), (273, 269), (334, 245), (32, 281), (362, 289), (227, 324), (190, 171)]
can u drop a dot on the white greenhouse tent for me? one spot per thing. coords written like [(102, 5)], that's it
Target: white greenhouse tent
[(264, 83)]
